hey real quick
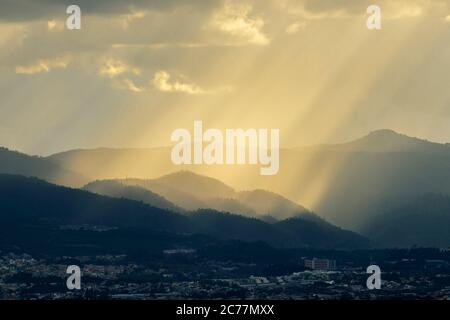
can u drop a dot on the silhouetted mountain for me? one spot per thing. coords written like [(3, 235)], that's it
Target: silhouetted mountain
[(347, 184), (109, 163), (199, 186), (321, 234), (180, 198), (386, 140), (268, 219), (217, 195), (37, 202), (32, 203), (422, 222), (230, 205), (192, 191), (287, 233), (13, 162), (269, 203), (118, 190), (365, 180), (229, 226)]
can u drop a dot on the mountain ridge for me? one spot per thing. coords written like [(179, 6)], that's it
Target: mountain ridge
[(15, 162), (347, 185), (219, 196), (385, 140), (38, 204)]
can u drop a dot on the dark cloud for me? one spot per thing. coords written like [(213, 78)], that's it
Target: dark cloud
[(350, 6), (25, 10), (358, 7)]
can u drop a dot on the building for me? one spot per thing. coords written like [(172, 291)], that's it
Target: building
[(179, 251), (320, 264)]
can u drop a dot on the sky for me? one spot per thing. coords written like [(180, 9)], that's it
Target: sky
[(138, 70)]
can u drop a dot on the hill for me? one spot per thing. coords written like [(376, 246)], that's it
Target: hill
[(193, 191), (321, 234), (386, 140), (36, 202), (13, 162), (182, 199), (38, 205), (423, 221), (201, 187), (288, 233), (119, 190), (110, 163), (347, 184), (269, 203)]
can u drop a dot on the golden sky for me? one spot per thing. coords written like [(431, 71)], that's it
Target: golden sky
[(137, 70)]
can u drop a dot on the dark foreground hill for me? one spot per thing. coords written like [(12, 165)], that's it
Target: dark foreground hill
[(287, 233), (320, 233), (117, 189), (424, 221), (38, 205), (32, 201)]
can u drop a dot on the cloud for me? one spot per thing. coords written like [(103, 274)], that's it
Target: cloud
[(55, 25), (28, 10), (235, 20), (51, 24), (320, 9), (116, 69), (128, 18), (11, 35), (391, 9), (161, 81), (295, 27), (164, 45), (128, 84), (112, 67), (44, 65), (406, 10)]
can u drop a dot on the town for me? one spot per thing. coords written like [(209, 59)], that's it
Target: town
[(184, 275)]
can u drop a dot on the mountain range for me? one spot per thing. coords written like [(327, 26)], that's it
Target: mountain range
[(191, 191), (349, 184), (36, 207), (14, 162), (355, 185)]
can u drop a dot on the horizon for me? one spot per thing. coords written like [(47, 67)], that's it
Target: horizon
[(170, 146)]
